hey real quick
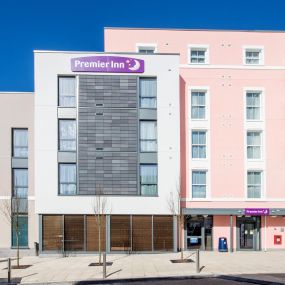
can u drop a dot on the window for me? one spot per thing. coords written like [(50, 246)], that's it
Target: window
[(67, 135), (20, 228), (148, 179), (146, 49), (67, 179), (198, 105), (66, 91), (199, 184), (198, 144), (198, 54), (253, 105), (148, 93), (20, 183), (148, 133), (253, 56), (254, 184), (254, 145), (20, 143)]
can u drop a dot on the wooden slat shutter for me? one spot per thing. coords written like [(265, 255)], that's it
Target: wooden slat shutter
[(163, 233), (52, 232)]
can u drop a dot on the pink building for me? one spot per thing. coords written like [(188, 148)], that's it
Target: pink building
[(232, 131)]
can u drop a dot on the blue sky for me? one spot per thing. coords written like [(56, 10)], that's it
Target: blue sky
[(78, 25)]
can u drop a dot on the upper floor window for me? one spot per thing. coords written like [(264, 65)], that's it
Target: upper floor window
[(20, 143), (148, 179), (198, 54), (253, 145), (254, 183), (148, 136), (148, 93), (199, 184), (253, 56), (67, 178), (67, 97), (198, 104), (198, 144), (67, 135), (146, 49), (20, 183), (253, 105)]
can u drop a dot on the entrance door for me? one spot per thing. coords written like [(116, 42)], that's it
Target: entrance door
[(247, 235)]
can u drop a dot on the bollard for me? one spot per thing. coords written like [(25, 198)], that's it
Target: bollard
[(104, 265), (9, 270), (197, 261)]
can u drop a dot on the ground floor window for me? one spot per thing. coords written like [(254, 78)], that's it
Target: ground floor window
[(126, 233), (20, 230), (199, 232)]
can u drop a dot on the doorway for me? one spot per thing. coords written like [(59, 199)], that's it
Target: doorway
[(199, 232), (248, 233)]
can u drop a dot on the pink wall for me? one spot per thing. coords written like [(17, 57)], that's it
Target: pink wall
[(274, 227), (226, 86), (221, 228)]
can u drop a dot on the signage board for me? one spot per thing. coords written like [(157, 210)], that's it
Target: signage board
[(108, 64), (256, 211)]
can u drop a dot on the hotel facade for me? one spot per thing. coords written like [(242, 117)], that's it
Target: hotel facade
[(160, 111)]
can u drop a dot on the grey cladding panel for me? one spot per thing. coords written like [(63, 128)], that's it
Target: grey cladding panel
[(108, 134)]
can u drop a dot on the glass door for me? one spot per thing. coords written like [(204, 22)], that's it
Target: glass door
[(247, 235)]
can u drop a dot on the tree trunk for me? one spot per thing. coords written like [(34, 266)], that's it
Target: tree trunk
[(99, 238), (181, 237)]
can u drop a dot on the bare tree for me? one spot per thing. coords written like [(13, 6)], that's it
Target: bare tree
[(174, 206), (100, 209), (11, 209)]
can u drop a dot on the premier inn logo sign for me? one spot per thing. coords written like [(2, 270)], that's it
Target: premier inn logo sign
[(108, 64)]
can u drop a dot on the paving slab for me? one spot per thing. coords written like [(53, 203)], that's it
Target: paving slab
[(76, 268)]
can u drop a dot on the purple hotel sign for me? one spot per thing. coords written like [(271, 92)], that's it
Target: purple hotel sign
[(110, 64), (257, 211)]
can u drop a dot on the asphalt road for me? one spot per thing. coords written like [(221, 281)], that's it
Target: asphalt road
[(262, 279)]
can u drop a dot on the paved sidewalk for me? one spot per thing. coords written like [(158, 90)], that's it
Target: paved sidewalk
[(75, 268)]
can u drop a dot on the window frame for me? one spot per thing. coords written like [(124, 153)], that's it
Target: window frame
[(58, 135), (58, 90), (147, 140), (261, 185), (202, 89), (199, 106), (13, 183), (255, 146), (199, 145), (140, 97), (206, 185), (259, 49), (140, 180), (260, 91), (198, 47), (146, 46), (13, 150), (12, 227), (59, 182)]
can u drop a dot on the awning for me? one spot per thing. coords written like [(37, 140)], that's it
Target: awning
[(228, 211)]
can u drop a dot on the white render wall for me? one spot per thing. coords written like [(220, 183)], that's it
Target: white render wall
[(48, 65)]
